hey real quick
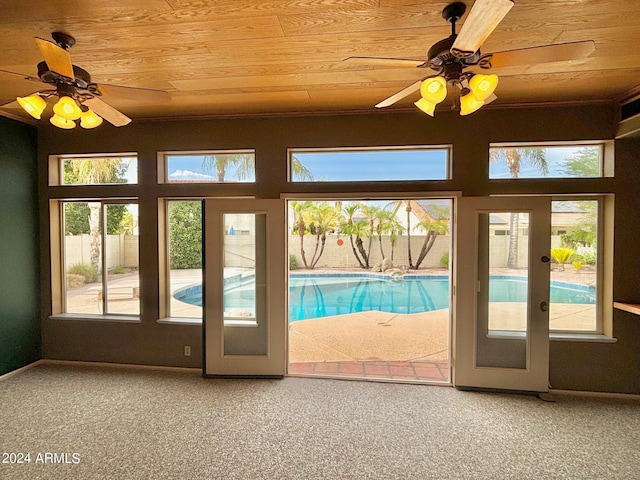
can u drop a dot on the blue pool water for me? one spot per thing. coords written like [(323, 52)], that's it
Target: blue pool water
[(313, 296)]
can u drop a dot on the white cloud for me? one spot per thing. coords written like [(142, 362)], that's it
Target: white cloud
[(189, 175)]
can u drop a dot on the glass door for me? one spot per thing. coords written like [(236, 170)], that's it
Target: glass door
[(502, 293), (245, 295)]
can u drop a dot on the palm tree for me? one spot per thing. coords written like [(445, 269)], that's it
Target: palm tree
[(326, 218), (246, 166), (372, 216), (301, 212), (395, 229), (94, 171), (356, 229), (384, 226), (222, 163), (514, 157), (434, 225), (299, 171), (407, 203)]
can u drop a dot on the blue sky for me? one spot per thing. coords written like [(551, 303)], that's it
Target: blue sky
[(376, 165), (555, 156), (379, 165)]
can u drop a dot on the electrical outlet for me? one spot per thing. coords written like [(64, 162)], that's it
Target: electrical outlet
[(187, 350)]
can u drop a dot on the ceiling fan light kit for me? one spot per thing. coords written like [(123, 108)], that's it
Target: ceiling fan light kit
[(62, 122), (79, 98), (451, 56), (34, 105)]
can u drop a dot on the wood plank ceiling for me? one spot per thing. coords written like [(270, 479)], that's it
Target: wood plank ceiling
[(245, 57)]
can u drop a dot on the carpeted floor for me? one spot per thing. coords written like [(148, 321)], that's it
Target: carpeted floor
[(116, 423)]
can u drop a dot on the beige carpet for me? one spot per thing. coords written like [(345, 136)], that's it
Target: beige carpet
[(141, 424)]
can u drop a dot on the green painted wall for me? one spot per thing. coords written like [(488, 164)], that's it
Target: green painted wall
[(19, 246)]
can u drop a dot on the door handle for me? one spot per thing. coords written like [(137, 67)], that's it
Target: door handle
[(545, 259), (544, 306)]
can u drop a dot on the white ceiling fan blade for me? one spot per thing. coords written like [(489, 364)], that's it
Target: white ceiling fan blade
[(561, 52), (21, 75), (484, 17), (384, 61), (414, 87), (57, 58), (107, 112), (490, 99)]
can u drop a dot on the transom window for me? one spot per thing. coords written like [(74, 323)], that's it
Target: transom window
[(369, 165), (514, 161), (103, 170), (208, 167)]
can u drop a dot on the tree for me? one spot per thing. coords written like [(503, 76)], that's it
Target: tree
[(301, 214), (326, 218), (76, 215), (185, 234), (386, 225), (93, 171), (299, 172), (356, 229), (434, 224), (246, 166), (586, 231), (514, 157), (584, 163)]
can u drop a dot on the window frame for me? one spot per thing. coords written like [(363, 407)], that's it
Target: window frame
[(448, 148), (58, 260), (606, 158), (604, 269), (56, 168), (163, 165), (164, 262)]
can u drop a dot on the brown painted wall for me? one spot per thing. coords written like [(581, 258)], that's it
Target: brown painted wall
[(604, 367)]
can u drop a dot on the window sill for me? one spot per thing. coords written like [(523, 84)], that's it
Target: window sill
[(242, 322), (581, 337), (96, 318), (180, 321), (555, 337)]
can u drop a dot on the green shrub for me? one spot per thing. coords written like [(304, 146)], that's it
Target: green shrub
[(118, 270), (293, 262), (587, 255), (562, 255), (87, 270), (444, 260), (185, 234)]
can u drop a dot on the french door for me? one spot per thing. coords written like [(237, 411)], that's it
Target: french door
[(244, 288), (502, 293)]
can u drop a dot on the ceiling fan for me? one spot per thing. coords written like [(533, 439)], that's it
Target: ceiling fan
[(79, 98), (450, 57)]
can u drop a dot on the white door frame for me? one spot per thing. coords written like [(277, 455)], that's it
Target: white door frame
[(466, 373), (269, 328)]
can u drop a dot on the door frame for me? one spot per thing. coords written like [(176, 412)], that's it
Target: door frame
[(466, 373), (273, 362)]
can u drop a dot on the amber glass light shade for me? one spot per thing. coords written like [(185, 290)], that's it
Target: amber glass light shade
[(426, 106), (67, 108), (61, 122), (89, 119), (34, 105), (483, 86), (434, 89), (469, 104)]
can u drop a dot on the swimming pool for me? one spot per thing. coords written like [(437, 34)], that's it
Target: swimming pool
[(321, 295)]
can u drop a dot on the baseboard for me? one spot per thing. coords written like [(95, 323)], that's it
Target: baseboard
[(120, 365), (20, 370), (581, 393)]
